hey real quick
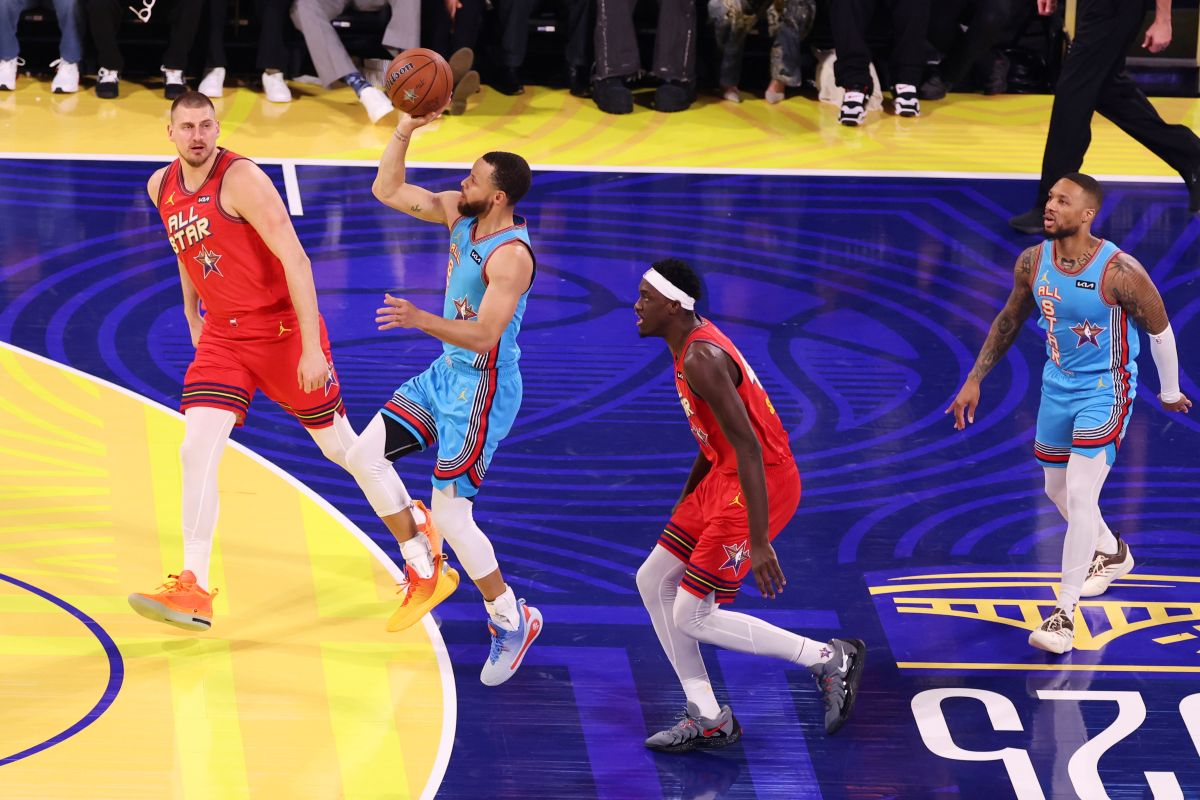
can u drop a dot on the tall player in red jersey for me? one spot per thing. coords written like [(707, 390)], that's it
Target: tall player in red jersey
[(743, 489), (239, 255)]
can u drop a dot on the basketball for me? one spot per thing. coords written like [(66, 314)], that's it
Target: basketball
[(419, 82)]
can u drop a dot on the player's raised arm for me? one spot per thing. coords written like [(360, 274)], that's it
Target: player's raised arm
[(1003, 333), (711, 373), (1127, 284), (391, 189)]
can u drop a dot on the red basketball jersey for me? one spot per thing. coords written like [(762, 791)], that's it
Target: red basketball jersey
[(230, 265), (763, 418)]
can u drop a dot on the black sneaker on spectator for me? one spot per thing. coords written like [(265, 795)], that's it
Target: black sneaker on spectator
[(580, 79), (175, 87), (997, 77), (905, 100), (1032, 221), (8, 73), (933, 89), (854, 108), (612, 96), (463, 90), (506, 81), (107, 83), (460, 63), (66, 77), (673, 96)]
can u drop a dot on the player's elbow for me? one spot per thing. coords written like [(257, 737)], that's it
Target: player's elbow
[(383, 193)]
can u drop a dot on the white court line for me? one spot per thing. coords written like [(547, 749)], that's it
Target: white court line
[(799, 172), (292, 185), (445, 668)]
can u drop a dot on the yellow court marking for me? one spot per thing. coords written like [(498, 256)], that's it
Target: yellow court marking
[(1044, 667), (297, 691), (964, 133)]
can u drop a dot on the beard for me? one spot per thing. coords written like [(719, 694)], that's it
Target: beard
[(195, 161), (478, 208), (1063, 231)]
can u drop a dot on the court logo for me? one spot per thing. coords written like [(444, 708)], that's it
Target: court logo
[(936, 619)]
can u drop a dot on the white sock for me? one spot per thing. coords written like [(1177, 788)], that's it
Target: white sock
[(1085, 477), (1106, 543), (418, 554), (503, 610), (206, 430), (700, 692)]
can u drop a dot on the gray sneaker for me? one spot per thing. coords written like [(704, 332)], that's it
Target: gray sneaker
[(838, 680), (694, 732)]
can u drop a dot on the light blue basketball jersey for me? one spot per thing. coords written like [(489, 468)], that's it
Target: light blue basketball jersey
[(466, 281), (1085, 334)]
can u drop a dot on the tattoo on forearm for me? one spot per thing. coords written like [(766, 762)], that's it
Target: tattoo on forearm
[(401, 136), (415, 208)]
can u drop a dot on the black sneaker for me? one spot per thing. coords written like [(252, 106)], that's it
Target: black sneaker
[(580, 80), (506, 81), (1032, 221), (673, 96), (933, 89), (612, 96), (838, 680), (107, 84), (694, 732)]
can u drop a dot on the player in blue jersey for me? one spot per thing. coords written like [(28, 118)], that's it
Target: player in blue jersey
[(465, 403), (1092, 299)]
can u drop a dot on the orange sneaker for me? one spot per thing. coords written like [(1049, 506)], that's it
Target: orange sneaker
[(179, 602), (421, 595)]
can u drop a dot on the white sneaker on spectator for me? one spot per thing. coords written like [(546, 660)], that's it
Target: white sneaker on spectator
[(376, 102), (107, 83), (213, 84), (854, 109), (276, 88), (8, 73), (905, 100), (174, 83), (66, 77), (731, 94)]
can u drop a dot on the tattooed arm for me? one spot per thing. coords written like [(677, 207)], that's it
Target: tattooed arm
[(1125, 283), (1003, 333)]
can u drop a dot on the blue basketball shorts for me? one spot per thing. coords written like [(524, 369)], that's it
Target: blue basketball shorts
[(1083, 414), (465, 411)]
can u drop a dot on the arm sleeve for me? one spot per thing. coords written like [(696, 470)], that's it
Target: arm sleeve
[(1166, 358)]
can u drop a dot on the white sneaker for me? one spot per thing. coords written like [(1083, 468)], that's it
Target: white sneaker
[(8, 73), (854, 109), (276, 88), (376, 102), (905, 100), (1056, 634), (174, 83), (213, 84), (1106, 568), (66, 77)]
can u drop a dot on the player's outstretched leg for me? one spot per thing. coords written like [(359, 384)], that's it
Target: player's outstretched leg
[(838, 680), (179, 602)]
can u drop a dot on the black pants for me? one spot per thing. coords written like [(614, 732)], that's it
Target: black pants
[(577, 22), (440, 33), (182, 18), (1093, 78), (989, 23), (850, 18), (674, 40), (272, 16)]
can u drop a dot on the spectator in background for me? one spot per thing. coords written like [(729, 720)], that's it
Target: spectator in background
[(70, 46), (788, 22), (104, 19), (910, 23), (451, 28), (1093, 78), (513, 18), (315, 18), (618, 61), (988, 23), (272, 50)]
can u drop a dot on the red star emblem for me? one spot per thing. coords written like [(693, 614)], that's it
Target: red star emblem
[(208, 259), (1087, 333), (463, 309), (735, 554), (330, 381)]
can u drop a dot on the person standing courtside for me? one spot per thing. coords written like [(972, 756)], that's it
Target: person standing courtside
[(1094, 79)]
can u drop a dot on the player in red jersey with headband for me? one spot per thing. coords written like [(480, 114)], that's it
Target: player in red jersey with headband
[(240, 257), (743, 489)]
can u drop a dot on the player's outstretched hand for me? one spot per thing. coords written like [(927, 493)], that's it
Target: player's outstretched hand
[(398, 313), (767, 572), (312, 372), (409, 123), (1182, 404), (964, 404)]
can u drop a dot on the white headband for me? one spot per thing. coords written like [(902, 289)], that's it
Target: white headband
[(669, 290)]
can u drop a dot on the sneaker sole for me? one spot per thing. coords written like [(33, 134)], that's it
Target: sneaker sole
[(468, 86), (153, 610), (536, 627), (404, 618), (1049, 648), (853, 678), (1121, 572)]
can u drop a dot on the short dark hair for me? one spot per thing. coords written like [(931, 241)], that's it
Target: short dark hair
[(1091, 187), (680, 275), (190, 99), (510, 173)]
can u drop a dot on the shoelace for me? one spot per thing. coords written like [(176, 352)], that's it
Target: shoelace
[(498, 643), (106, 75), (175, 583), (1056, 621), (1098, 565), (410, 585), (58, 62)]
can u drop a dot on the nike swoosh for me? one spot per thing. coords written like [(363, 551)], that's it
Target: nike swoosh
[(711, 731), (845, 661)]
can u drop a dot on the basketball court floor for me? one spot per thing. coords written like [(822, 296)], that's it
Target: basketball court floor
[(858, 270)]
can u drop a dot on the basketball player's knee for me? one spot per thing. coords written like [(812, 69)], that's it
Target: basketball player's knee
[(689, 615), (649, 582), (362, 458)]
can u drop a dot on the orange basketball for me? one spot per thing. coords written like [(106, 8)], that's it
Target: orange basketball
[(419, 82)]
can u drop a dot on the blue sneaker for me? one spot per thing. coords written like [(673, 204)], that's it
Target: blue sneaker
[(509, 647)]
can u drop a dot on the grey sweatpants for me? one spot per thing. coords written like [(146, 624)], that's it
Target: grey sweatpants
[(329, 56)]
